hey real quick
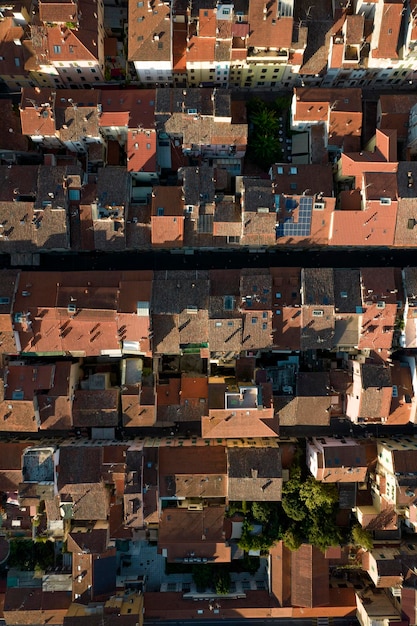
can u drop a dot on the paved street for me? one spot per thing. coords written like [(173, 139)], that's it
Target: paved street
[(219, 259), (348, 621)]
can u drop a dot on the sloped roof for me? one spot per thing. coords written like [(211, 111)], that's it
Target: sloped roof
[(269, 30), (387, 43), (149, 31), (183, 473), (259, 422), (310, 577), (200, 533), (254, 474)]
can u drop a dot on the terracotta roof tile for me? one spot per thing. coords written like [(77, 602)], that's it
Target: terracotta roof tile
[(386, 41), (199, 534), (269, 30), (141, 151), (254, 474), (352, 228), (312, 104), (354, 29), (58, 12), (96, 408), (179, 46), (149, 32), (184, 474), (225, 423), (138, 407), (13, 57), (310, 577)]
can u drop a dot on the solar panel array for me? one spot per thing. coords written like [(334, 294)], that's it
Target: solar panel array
[(302, 227)]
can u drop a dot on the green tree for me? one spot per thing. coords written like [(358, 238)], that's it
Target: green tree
[(362, 537), (313, 506), (265, 121), (28, 555), (265, 149), (317, 495), (261, 511), (203, 576), (322, 532), (292, 538), (292, 503), (222, 582)]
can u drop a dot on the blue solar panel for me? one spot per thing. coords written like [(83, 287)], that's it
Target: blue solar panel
[(302, 227)]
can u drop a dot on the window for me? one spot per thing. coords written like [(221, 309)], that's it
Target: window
[(160, 211), (226, 11), (228, 303), (293, 170), (318, 313), (148, 146), (254, 320), (386, 201), (293, 186), (264, 326), (280, 169), (140, 4), (17, 62), (93, 71), (277, 295), (78, 71), (71, 49), (57, 49)]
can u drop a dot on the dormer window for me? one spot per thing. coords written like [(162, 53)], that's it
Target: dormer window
[(228, 303)]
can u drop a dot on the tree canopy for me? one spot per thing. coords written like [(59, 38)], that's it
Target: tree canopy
[(361, 537), (311, 508), (264, 139)]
